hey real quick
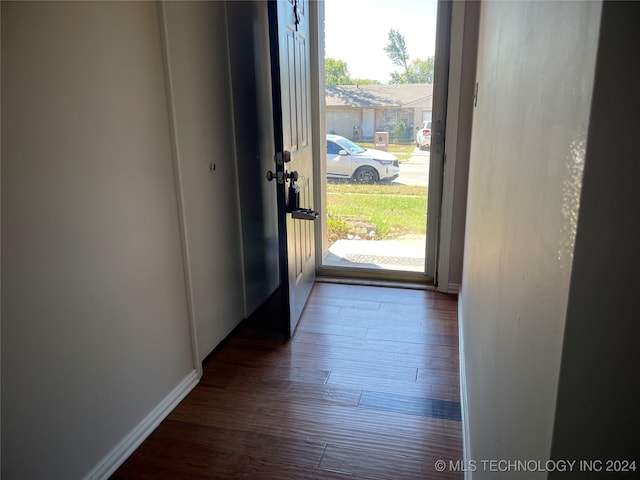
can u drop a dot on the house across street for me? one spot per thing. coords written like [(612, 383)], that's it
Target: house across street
[(358, 111)]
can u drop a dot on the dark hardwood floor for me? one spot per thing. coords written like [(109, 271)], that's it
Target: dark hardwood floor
[(367, 388)]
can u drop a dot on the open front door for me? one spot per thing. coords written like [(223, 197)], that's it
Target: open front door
[(290, 62)]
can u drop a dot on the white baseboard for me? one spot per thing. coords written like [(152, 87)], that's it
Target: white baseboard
[(120, 453), (464, 405), (453, 288)]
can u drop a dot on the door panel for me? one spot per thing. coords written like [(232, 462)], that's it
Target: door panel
[(293, 126), (288, 83)]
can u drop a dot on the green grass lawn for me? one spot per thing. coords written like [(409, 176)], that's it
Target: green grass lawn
[(389, 211), (403, 152)]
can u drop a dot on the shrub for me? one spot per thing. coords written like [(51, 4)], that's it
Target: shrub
[(399, 131)]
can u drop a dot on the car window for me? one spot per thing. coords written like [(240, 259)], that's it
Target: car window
[(350, 147), (333, 148)]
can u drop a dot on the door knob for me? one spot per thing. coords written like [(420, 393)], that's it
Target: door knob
[(277, 175), (293, 176)]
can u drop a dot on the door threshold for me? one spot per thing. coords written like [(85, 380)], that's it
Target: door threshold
[(375, 278)]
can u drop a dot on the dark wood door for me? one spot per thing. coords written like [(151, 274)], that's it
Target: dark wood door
[(291, 81)]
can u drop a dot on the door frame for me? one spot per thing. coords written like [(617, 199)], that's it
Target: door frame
[(318, 125), (465, 20), (438, 125), (436, 167)]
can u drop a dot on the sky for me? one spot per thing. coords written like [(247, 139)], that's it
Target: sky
[(356, 31)]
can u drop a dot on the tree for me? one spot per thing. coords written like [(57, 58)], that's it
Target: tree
[(365, 81), (419, 71), (397, 49), (336, 72), (398, 78)]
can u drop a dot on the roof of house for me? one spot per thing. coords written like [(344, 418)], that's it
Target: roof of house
[(397, 95)]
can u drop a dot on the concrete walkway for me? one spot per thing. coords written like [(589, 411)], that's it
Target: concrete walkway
[(407, 254)]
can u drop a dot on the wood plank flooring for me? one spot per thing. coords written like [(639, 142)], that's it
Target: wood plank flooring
[(367, 388)]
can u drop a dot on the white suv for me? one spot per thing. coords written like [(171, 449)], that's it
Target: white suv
[(349, 161), (423, 137)]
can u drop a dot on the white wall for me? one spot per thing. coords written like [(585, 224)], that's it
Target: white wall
[(342, 119), (536, 64), (95, 310), (199, 82), (597, 410)]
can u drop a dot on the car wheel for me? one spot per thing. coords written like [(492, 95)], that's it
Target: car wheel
[(365, 175)]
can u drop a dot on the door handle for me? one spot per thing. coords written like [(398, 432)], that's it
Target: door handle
[(293, 206), (305, 214), (293, 176), (278, 175), (280, 158)]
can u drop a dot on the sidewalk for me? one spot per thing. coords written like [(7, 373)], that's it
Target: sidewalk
[(406, 254)]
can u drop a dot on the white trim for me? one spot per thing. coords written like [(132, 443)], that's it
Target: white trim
[(438, 133), (128, 445), (318, 125), (451, 134), (177, 167), (453, 288), (464, 402)]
